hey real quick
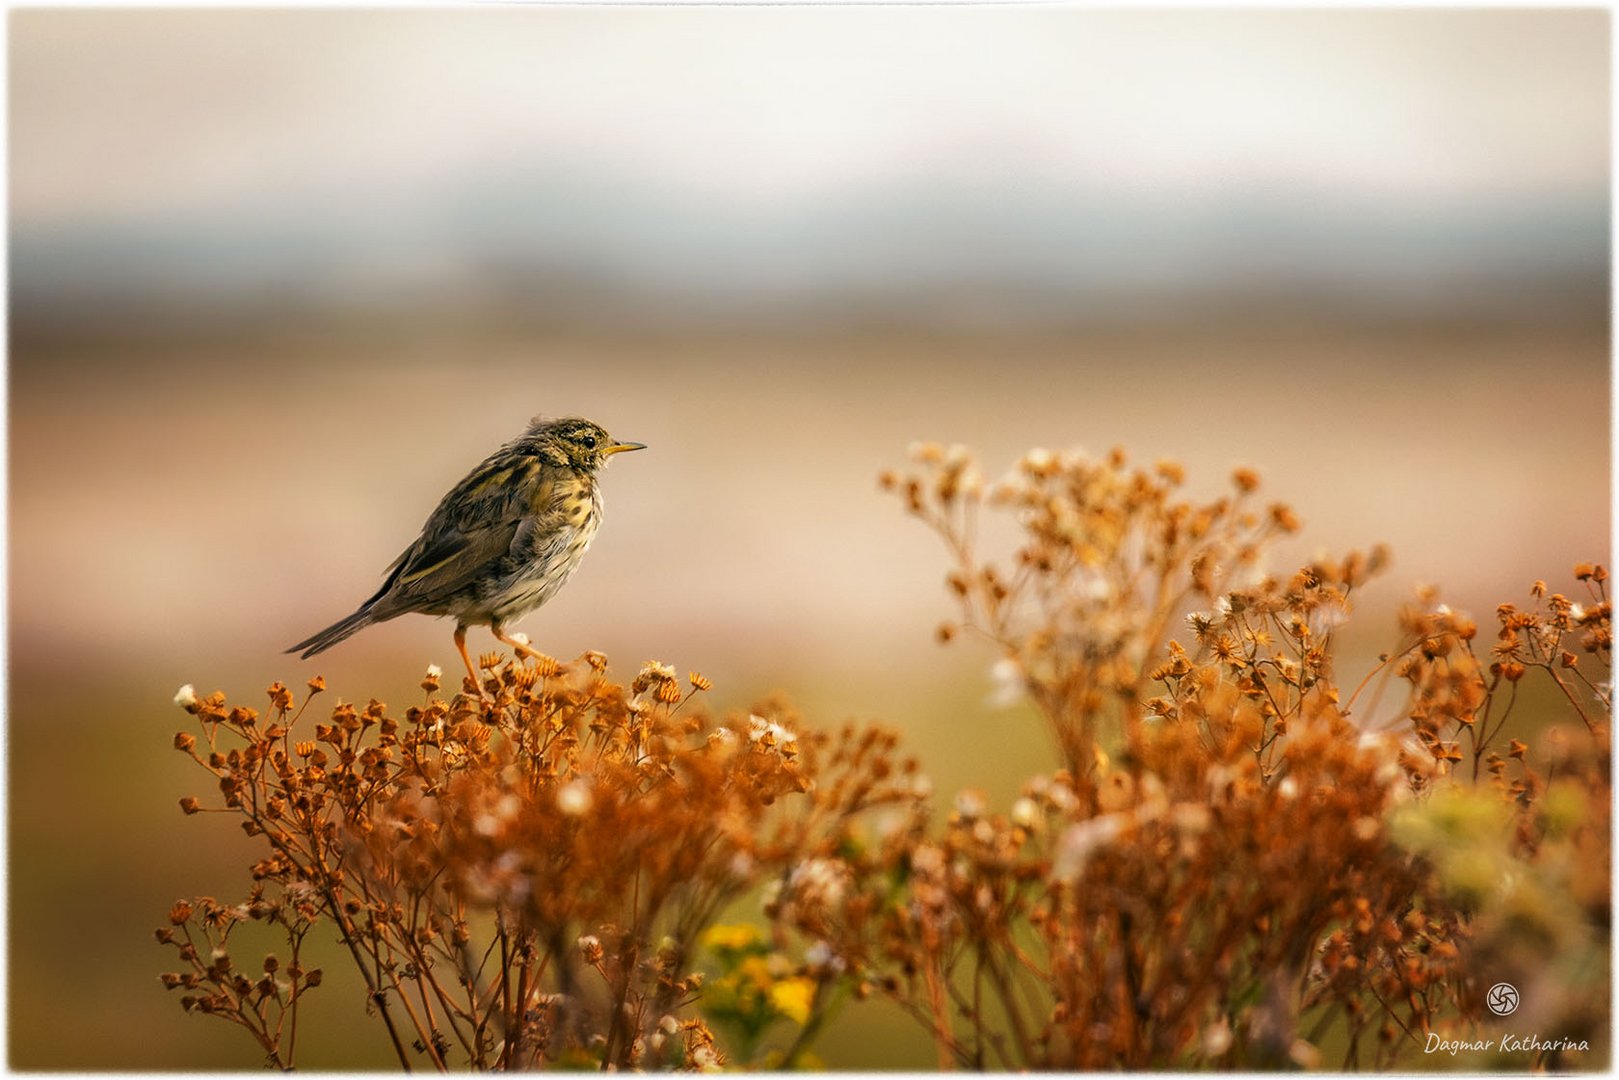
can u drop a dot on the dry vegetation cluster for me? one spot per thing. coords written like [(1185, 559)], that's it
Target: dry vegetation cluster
[(1235, 863)]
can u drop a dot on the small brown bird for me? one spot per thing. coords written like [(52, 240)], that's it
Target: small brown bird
[(502, 542)]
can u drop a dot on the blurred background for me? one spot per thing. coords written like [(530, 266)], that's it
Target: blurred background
[(279, 278)]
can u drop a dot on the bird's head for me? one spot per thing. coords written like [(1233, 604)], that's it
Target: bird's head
[(576, 442)]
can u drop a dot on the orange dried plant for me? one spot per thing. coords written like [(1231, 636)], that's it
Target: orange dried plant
[(1234, 864), (522, 881), (1228, 868)]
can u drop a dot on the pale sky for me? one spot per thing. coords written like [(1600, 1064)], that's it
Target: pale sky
[(741, 139)]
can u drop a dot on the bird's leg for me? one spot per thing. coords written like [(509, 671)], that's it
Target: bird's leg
[(461, 645), (518, 647)]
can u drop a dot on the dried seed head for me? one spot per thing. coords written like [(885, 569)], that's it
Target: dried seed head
[(1283, 517)]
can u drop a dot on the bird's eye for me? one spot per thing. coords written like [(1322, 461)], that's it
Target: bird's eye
[(588, 441)]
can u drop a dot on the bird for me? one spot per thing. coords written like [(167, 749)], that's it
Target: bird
[(501, 542)]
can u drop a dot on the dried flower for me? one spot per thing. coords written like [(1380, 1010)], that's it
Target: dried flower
[(568, 801), (1194, 771)]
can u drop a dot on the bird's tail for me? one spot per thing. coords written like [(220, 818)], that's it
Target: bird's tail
[(335, 633)]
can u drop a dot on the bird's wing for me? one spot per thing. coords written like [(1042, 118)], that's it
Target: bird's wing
[(473, 526)]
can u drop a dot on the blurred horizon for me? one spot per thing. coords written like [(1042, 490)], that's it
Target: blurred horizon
[(280, 277), (992, 167)]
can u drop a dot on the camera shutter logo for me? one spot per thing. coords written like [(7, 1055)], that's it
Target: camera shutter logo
[(1502, 999)]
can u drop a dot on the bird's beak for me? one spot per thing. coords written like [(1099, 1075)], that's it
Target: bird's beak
[(620, 447)]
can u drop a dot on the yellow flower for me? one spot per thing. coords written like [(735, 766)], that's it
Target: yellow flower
[(735, 937), (792, 998), (756, 970)]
